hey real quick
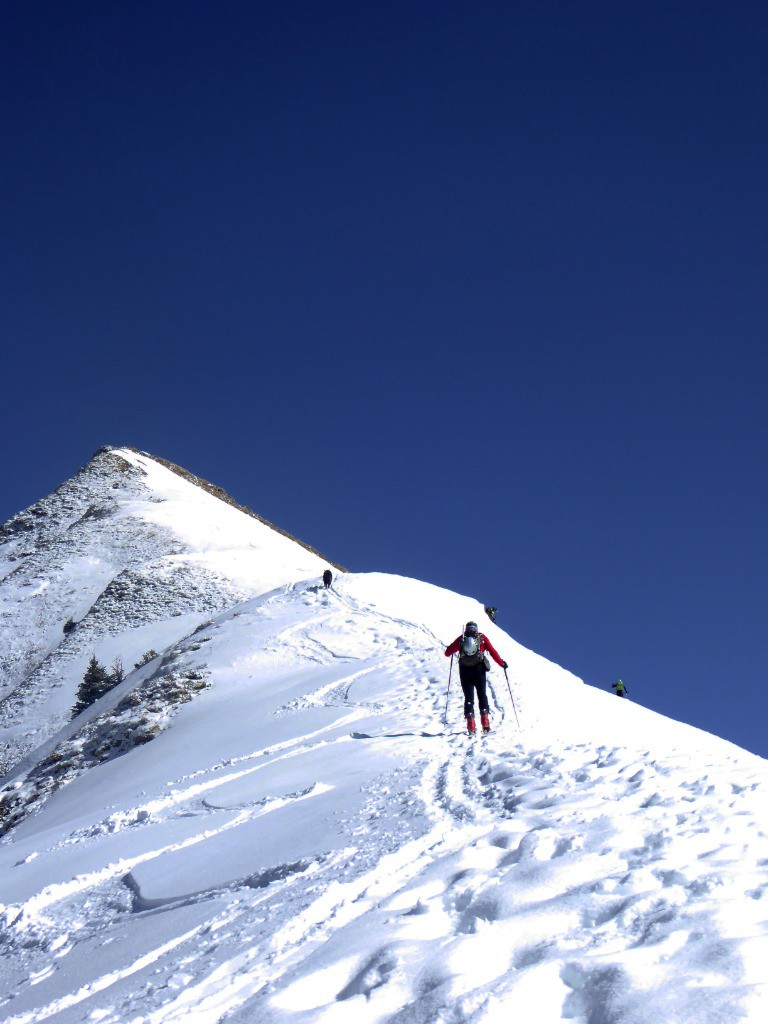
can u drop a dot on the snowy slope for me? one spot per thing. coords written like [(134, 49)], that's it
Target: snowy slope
[(301, 839)]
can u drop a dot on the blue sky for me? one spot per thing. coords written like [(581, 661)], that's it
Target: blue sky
[(474, 293)]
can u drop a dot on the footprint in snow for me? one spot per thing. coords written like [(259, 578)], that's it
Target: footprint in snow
[(596, 995), (374, 973), (537, 845)]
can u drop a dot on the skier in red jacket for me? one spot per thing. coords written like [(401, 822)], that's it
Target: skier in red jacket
[(471, 647)]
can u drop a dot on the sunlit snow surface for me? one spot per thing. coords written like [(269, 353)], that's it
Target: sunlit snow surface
[(307, 842)]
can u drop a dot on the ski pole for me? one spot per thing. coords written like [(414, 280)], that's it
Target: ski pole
[(512, 699), (445, 716), (450, 673)]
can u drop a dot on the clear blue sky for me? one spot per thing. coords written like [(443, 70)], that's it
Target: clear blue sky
[(471, 292)]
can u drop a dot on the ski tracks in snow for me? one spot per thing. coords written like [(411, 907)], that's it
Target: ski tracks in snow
[(475, 882), (52, 930), (532, 898)]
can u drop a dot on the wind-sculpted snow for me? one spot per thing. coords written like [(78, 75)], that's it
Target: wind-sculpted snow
[(135, 713), (306, 842)]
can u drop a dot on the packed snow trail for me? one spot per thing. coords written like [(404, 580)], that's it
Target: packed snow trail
[(306, 843)]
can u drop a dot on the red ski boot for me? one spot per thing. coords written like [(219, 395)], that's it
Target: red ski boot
[(485, 721), (471, 725)]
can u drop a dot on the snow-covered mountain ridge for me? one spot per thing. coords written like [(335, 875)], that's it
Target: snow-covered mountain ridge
[(303, 840), (128, 555)]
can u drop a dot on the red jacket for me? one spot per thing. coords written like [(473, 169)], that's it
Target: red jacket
[(485, 645)]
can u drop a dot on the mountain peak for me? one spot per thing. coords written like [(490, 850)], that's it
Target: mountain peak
[(130, 553), (215, 491)]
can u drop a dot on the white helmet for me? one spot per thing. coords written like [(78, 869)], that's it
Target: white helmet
[(470, 645)]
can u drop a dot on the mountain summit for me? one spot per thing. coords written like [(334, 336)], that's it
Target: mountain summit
[(129, 554), (272, 814)]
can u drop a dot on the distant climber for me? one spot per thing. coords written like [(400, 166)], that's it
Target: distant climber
[(490, 611), (327, 578), (620, 688), (471, 647)]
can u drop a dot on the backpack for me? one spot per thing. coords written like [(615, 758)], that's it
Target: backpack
[(470, 653)]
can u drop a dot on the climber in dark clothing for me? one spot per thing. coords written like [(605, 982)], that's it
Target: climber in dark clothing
[(471, 647)]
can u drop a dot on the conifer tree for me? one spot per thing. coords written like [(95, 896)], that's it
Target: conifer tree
[(96, 682)]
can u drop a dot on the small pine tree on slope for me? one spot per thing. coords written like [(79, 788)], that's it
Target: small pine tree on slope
[(96, 682)]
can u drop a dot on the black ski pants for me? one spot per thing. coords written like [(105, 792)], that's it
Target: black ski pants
[(472, 678)]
